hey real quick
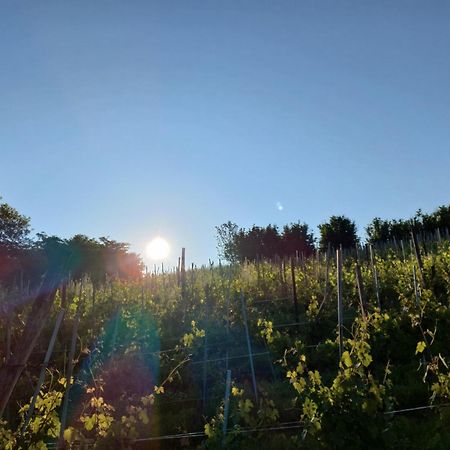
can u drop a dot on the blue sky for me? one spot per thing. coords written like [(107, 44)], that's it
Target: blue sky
[(136, 118)]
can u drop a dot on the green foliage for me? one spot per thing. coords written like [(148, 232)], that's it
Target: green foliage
[(238, 244), (14, 227), (124, 388), (380, 230), (339, 230)]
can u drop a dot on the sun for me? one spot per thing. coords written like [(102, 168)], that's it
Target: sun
[(158, 249)]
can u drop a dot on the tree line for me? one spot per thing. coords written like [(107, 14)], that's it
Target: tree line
[(23, 258), (236, 244)]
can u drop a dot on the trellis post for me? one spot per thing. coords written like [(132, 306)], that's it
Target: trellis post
[(226, 408), (249, 345), (294, 291), (339, 292), (48, 354)]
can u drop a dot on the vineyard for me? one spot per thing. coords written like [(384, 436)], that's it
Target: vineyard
[(343, 349)]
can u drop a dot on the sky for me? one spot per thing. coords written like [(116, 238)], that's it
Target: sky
[(131, 119)]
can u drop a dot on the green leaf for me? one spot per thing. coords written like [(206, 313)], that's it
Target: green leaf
[(420, 347), (346, 359)]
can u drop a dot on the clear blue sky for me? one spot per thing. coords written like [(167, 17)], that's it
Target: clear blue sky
[(135, 118)]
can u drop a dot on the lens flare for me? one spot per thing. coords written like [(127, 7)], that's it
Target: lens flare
[(158, 249)]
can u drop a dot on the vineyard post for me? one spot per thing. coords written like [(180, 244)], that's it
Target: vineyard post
[(327, 278), (258, 275), (327, 273), (339, 292), (205, 350), (249, 345), (263, 272), (416, 249), (183, 276), (115, 330), (142, 294), (438, 233), (226, 409), (8, 351), (403, 250), (280, 267), (8, 337), (294, 291), (361, 292), (192, 281), (395, 244), (317, 263), (69, 373), (47, 357), (375, 275), (228, 316), (357, 252), (416, 290), (10, 373), (64, 295)]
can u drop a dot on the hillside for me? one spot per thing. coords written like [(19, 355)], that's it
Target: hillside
[(339, 350)]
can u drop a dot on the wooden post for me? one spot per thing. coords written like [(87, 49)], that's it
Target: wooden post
[(228, 317), (8, 337), (192, 281), (375, 275), (115, 331), (327, 273), (403, 250), (294, 291), (416, 289), (73, 343), (327, 279), (249, 345), (226, 409), (64, 295), (417, 253), (183, 275), (48, 355), (340, 306), (205, 350), (9, 374), (361, 292), (94, 293)]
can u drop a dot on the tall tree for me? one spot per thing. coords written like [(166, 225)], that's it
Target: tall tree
[(239, 244), (226, 235), (339, 230), (14, 228), (297, 238)]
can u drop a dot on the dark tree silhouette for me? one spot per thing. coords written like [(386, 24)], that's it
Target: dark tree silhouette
[(239, 244), (339, 230), (380, 230), (297, 238)]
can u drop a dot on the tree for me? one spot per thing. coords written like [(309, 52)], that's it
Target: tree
[(339, 230), (14, 228), (226, 241), (238, 244), (297, 238), (14, 243), (380, 230)]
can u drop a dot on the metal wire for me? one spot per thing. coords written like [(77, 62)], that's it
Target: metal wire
[(417, 408), (280, 427)]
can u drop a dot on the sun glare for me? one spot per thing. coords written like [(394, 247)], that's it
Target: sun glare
[(158, 249)]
